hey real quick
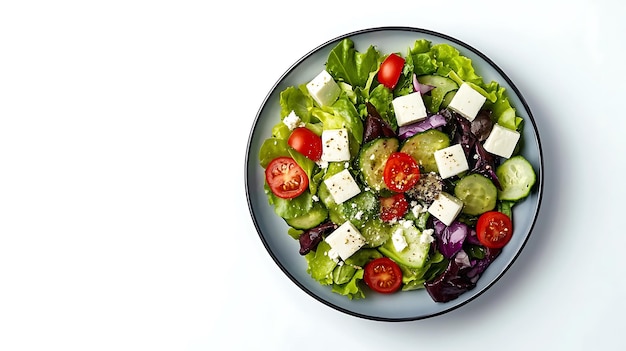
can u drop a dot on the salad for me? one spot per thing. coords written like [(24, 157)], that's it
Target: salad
[(397, 171)]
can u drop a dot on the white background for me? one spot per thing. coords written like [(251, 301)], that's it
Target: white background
[(123, 217)]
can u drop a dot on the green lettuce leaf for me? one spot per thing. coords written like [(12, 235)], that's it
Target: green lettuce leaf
[(346, 64), (419, 59), (320, 265), (449, 58), (298, 100), (381, 97), (351, 273), (271, 148), (352, 288), (290, 208)]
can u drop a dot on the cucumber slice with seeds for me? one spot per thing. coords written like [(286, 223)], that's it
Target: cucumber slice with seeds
[(442, 86), (517, 177), (477, 192), (311, 219), (372, 160), (422, 147)]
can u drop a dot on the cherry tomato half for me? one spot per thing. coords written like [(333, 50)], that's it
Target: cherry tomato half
[(383, 275), (306, 142), (494, 229), (286, 178), (393, 207), (390, 70), (401, 172)]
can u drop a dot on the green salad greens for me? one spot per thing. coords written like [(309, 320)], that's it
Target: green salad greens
[(329, 170)]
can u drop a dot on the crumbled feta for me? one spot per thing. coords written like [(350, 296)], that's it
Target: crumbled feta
[(417, 209), (427, 236), (406, 223), (292, 121), (322, 164), (398, 239)]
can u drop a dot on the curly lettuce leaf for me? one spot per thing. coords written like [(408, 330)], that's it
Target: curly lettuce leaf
[(351, 273), (298, 100), (381, 97), (452, 64), (450, 59), (347, 64), (345, 278), (419, 59), (320, 265), (352, 288)]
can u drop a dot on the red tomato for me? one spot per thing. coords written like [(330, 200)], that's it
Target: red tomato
[(286, 178), (390, 71), (306, 142), (401, 172), (494, 229), (393, 207), (383, 275)]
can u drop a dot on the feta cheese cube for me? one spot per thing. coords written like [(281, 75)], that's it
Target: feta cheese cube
[(451, 161), (467, 102), (501, 141), (446, 208), (409, 108), (342, 186), (323, 89), (335, 145), (345, 240)]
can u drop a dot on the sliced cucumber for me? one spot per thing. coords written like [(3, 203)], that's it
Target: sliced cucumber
[(372, 159), (376, 232), (447, 99), (357, 210), (414, 255), (422, 147), (311, 219), (443, 86), (477, 192), (517, 177)]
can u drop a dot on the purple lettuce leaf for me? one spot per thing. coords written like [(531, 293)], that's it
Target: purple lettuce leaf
[(462, 271), (431, 122), (310, 238), (375, 126), (450, 239)]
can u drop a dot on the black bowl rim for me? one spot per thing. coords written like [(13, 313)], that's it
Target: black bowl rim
[(538, 185)]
